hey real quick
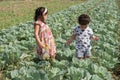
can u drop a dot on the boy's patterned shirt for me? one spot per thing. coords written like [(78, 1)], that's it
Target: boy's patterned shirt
[(83, 38)]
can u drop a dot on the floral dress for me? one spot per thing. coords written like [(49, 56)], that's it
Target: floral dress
[(46, 37)]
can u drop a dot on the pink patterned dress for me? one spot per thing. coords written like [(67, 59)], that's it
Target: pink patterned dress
[(46, 37)]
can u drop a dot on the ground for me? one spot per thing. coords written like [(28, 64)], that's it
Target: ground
[(15, 12)]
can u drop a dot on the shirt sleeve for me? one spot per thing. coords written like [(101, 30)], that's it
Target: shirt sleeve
[(90, 33), (74, 31)]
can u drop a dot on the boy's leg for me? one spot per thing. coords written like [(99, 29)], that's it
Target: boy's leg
[(87, 56), (79, 54), (80, 58), (88, 53)]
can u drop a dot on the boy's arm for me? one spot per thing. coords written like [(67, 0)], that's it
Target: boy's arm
[(70, 39), (95, 38), (92, 36)]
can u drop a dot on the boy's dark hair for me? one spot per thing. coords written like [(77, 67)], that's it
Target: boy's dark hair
[(38, 12), (83, 19)]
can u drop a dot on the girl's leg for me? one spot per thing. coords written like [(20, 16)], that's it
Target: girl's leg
[(52, 57)]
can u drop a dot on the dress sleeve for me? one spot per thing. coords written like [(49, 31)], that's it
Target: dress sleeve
[(36, 23)]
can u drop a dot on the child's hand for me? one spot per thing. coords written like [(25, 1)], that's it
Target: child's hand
[(96, 38), (46, 46), (68, 42)]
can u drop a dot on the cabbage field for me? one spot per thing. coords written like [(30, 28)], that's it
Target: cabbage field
[(18, 60)]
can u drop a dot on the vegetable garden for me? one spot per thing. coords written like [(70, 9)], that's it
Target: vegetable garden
[(17, 46)]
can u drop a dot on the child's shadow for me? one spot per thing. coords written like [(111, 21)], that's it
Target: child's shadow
[(36, 60)]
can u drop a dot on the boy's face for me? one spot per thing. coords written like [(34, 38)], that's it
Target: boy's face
[(83, 27)]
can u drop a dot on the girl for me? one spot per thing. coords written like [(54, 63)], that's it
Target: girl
[(43, 35)]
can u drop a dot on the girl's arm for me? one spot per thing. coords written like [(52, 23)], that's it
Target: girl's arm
[(71, 39), (36, 32)]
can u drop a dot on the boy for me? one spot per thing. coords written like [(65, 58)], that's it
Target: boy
[(83, 34)]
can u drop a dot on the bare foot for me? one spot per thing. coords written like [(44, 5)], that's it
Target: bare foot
[(87, 57), (80, 58)]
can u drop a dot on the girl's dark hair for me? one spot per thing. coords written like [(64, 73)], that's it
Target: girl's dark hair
[(83, 19), (38, 12)]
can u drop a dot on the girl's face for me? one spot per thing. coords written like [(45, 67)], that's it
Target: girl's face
[(45, 14)]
